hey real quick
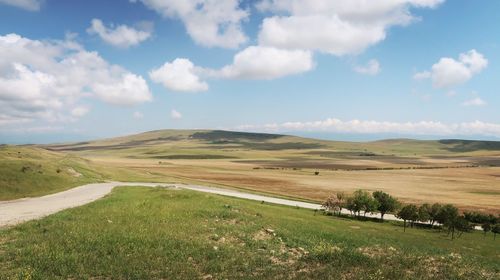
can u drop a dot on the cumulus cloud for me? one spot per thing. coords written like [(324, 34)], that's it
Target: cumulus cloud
[(121, 36), (287, 38), (174, 114), (29, 5), (267, 63), (44, 80), (337, 27), (371, 127), (252, 63), (179, 75), (371, 68), (477, 101), (449, 72), (211, 23)]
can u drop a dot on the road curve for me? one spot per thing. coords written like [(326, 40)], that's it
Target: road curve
[(17, 211)]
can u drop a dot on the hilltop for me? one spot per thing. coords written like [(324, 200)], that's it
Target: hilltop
[(218, 144)]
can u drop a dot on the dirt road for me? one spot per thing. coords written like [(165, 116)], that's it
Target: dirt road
[(21, 210)]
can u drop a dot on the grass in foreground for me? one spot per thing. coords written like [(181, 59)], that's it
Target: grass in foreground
[(143, 233)]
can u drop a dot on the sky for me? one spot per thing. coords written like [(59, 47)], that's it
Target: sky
[(346, 69)]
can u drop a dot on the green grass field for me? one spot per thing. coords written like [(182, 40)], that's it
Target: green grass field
[(143, 233), (30, 171)]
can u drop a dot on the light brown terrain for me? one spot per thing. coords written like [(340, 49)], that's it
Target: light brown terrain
[(465, 173)]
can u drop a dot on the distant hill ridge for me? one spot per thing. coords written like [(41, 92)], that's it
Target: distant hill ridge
[(274, 142)]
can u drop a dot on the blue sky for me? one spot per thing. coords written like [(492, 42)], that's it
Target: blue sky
[(338, 69)]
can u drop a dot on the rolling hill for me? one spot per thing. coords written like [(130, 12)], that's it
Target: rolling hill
[(462, 172)]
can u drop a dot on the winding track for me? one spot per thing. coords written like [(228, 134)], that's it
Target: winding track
[(25, 209)]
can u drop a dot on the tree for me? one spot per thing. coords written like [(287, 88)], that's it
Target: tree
[(408, 213), (424, 212), (386, 203), (461, 225), (433, 212), (340, 199), (479, 218), (369, 206), (359, 201), (331, 204), (486, 227), (351, 205), (334, 203), (449, 218), (363, 201), (495, 229), (446, 214)]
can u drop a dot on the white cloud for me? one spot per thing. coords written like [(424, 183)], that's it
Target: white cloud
[(44, 80), (267, 63), (448, 72), (30, 5), (138, 115), (211, 23), (252, 63), (422, 75), (337, 27), (179, 75), (121, 36), (79, 111), (477, 101), (175, 115), (371, 68), (371, 127)]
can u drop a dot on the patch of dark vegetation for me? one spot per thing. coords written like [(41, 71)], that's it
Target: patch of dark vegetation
[(221, 135), (486, 192), (194, 157), (32, 168), (263, 146), (479, 160), (275, 168), (302, 163), (281, 146), (368, 154), (298, 164), (253, 141), (492, 162), (455, 145), (121, 146), (361, 155)]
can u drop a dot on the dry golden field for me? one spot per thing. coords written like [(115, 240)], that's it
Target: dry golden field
[(465, 173)]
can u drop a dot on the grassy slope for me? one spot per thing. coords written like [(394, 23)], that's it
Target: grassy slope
[(203, 139), (140, 233), (40, 175)]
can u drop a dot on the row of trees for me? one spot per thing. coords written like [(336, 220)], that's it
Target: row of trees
[(446, 215), (361, 200)]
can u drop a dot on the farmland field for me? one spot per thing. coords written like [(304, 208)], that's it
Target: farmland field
[(465, 173)]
